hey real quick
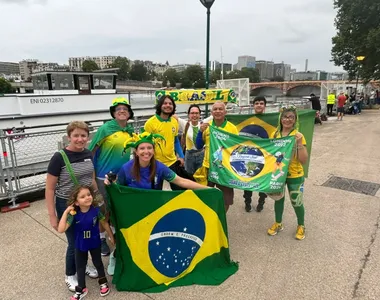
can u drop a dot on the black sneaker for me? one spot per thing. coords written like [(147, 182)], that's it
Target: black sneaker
[(248, 207), (105, 250), (260, 205)]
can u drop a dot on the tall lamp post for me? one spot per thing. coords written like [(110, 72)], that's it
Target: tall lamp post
[(207, 4), (360, 60)]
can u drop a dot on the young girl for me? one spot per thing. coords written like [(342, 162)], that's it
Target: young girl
[(83, 213), (288, 126)]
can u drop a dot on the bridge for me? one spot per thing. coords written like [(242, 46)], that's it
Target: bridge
[(302, 88)]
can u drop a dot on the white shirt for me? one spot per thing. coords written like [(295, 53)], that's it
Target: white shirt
[(189, 136)]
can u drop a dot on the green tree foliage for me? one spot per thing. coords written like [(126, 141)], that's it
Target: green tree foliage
[(193, 77), (358, 34), (5, 86), (251, 73), (139, 72), (89, 66), (170, 76), (217, 75), (277, 79), (123, 64)]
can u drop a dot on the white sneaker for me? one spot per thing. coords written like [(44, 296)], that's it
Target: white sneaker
[(71, 282), (91, 272), (111, 265)]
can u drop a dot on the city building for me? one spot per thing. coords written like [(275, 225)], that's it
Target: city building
[(9, 68), (26, 68), (305, 76), (265, 68), (182, 67), (246, 61), (215, 65), (282, 70), (44, 67), (103, 62), (337, 76)]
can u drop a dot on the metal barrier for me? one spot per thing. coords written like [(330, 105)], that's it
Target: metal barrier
[(25, 154)]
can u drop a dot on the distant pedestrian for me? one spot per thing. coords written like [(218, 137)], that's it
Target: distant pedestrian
[(340, 109)]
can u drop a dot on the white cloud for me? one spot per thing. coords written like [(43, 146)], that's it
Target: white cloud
[(172, 30)]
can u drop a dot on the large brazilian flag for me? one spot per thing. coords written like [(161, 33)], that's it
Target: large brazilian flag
[(250, 164), (169, 238), (263, 125)]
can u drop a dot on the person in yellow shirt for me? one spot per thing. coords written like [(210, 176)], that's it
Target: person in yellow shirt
[(288, 126), (167, 151), (218, 112)]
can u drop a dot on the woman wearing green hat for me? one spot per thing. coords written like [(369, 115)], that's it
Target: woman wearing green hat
[(144, 171), (288, 126), (107, 148)]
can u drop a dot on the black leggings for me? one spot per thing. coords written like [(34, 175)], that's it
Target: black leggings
[(248, 197), (81, 258)]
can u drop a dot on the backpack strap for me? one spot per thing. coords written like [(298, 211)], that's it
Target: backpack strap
[(69, 168)]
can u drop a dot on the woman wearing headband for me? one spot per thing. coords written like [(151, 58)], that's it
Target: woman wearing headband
[(144, 171), (288, 126)]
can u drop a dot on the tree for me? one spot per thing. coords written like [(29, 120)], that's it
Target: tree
[(358, 34), (5, 86), (251, 73), (277, 79), (217, 75), (170, 76), (139, 72), (123, 64), (193, 77), (89, 66)]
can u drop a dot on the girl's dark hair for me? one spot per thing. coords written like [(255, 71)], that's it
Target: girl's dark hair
[(74, 194), (194, 105), (161, 102), (136, 168)]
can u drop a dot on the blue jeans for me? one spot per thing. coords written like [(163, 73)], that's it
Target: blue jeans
[(60, 206), (193, 160)]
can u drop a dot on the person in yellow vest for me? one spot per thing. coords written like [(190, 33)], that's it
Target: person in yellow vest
[(218, 112), (330, 103)]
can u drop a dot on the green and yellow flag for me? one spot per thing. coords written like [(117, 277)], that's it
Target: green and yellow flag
[(264, 125), (169, 238), (191, 96), (247, 163)]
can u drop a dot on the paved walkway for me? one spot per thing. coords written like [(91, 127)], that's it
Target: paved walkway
[(339, 258)]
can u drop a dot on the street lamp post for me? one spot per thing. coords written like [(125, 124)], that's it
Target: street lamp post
[(360, 60), (207, 4)]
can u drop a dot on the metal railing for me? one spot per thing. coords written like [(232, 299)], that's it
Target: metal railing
[(25, 153)]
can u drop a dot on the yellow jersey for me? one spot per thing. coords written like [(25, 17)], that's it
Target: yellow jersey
[(295, 167), (164, 150), (226, 126)]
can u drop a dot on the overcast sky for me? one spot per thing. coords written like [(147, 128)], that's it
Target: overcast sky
[(173, 30)]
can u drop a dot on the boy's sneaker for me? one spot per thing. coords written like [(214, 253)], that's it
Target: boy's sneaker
[(276, 227), (300, 234), (79, 294), (111, 265), (71, 282), (104, 289), (91, 272), (104, 249)]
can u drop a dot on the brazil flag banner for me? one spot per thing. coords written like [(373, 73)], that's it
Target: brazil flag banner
[(263, 125), (169, 238), (247, 163)]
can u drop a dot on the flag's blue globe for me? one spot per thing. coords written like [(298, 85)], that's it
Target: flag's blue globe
[(254, 131), (175, 240), (247, 161)]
